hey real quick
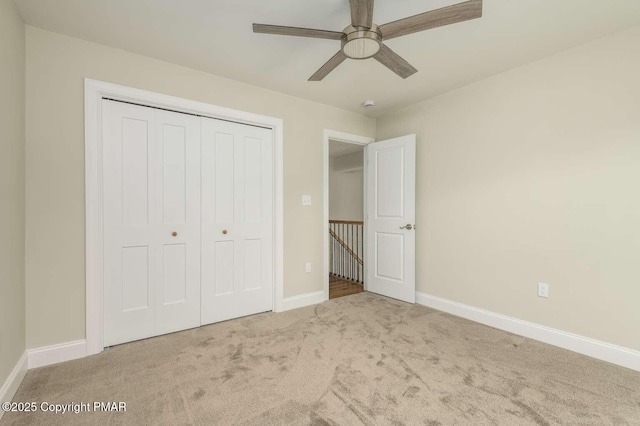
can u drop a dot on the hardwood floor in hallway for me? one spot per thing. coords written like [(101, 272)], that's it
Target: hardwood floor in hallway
[(339, 287)]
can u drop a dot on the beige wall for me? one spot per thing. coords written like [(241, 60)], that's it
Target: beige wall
[(346, 187), (56, 66), (346, 194), (533, 175), (12, 66)]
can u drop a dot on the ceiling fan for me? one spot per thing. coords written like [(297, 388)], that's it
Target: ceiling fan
[(363, 39)]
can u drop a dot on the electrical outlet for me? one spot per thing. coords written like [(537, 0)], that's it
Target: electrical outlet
[(543, 290), (306, 200), (308, 267)]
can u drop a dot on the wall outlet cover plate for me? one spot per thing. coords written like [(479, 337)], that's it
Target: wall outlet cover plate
[(543, 290)]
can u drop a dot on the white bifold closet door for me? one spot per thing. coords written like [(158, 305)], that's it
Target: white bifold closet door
[(237, 220), (188, 221), (152, 234)]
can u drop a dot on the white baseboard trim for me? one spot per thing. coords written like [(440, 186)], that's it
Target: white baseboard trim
[(614, 354), (303, 300), (11, 385), (48, 355)]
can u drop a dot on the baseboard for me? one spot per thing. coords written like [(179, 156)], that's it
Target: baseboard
[(614, 354), (303, 300), (11, 385), (48, 355)]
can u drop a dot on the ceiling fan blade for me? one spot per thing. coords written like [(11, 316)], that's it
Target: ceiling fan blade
[(331, 64), (361, 13), (436, 18), (394, 62), (295, 31)]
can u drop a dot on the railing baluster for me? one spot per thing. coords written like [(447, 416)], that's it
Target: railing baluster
[(340, 250), (345, 264), (345, 228), (331, 253), (357, 253), (351, 245), (348, 258), (341, 254), (331, 249)]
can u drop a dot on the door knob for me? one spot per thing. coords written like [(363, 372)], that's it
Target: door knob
[(224, 231), (174, 233), (407, 226)]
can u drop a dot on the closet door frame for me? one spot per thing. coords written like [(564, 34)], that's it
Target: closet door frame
[(94, 92)]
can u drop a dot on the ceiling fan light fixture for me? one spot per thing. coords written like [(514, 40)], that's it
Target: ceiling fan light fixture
[(361, 48), (361, 43)]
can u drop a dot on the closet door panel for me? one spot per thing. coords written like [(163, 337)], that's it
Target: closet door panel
[(129, 292), (179, 233), (151, 199), (237, 238)]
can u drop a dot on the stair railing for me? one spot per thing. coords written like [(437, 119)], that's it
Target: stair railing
[(346, 248)]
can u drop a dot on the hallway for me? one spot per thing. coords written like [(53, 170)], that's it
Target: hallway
[(339, 287)]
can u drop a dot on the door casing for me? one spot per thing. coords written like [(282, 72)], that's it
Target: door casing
[(94, 92)]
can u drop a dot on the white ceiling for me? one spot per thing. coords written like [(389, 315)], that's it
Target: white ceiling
[(216, 36)]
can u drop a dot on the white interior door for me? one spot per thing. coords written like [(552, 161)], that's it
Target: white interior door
[(151, 190), (390, 213), (237, 220)]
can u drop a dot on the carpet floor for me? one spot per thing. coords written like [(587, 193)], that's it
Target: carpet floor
[(360, 359)]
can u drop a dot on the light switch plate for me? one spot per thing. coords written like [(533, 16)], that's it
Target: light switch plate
[(306, 200)]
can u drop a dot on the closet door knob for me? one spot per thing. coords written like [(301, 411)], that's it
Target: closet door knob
[(174, 234), (224, 231)]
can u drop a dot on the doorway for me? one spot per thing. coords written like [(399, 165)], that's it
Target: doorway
[(346, 219), (389, 214), (345, 194)]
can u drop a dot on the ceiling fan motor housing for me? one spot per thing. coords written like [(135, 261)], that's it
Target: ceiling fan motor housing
[(361, 42)]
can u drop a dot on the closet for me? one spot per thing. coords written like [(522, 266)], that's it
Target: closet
[(187, 221)]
